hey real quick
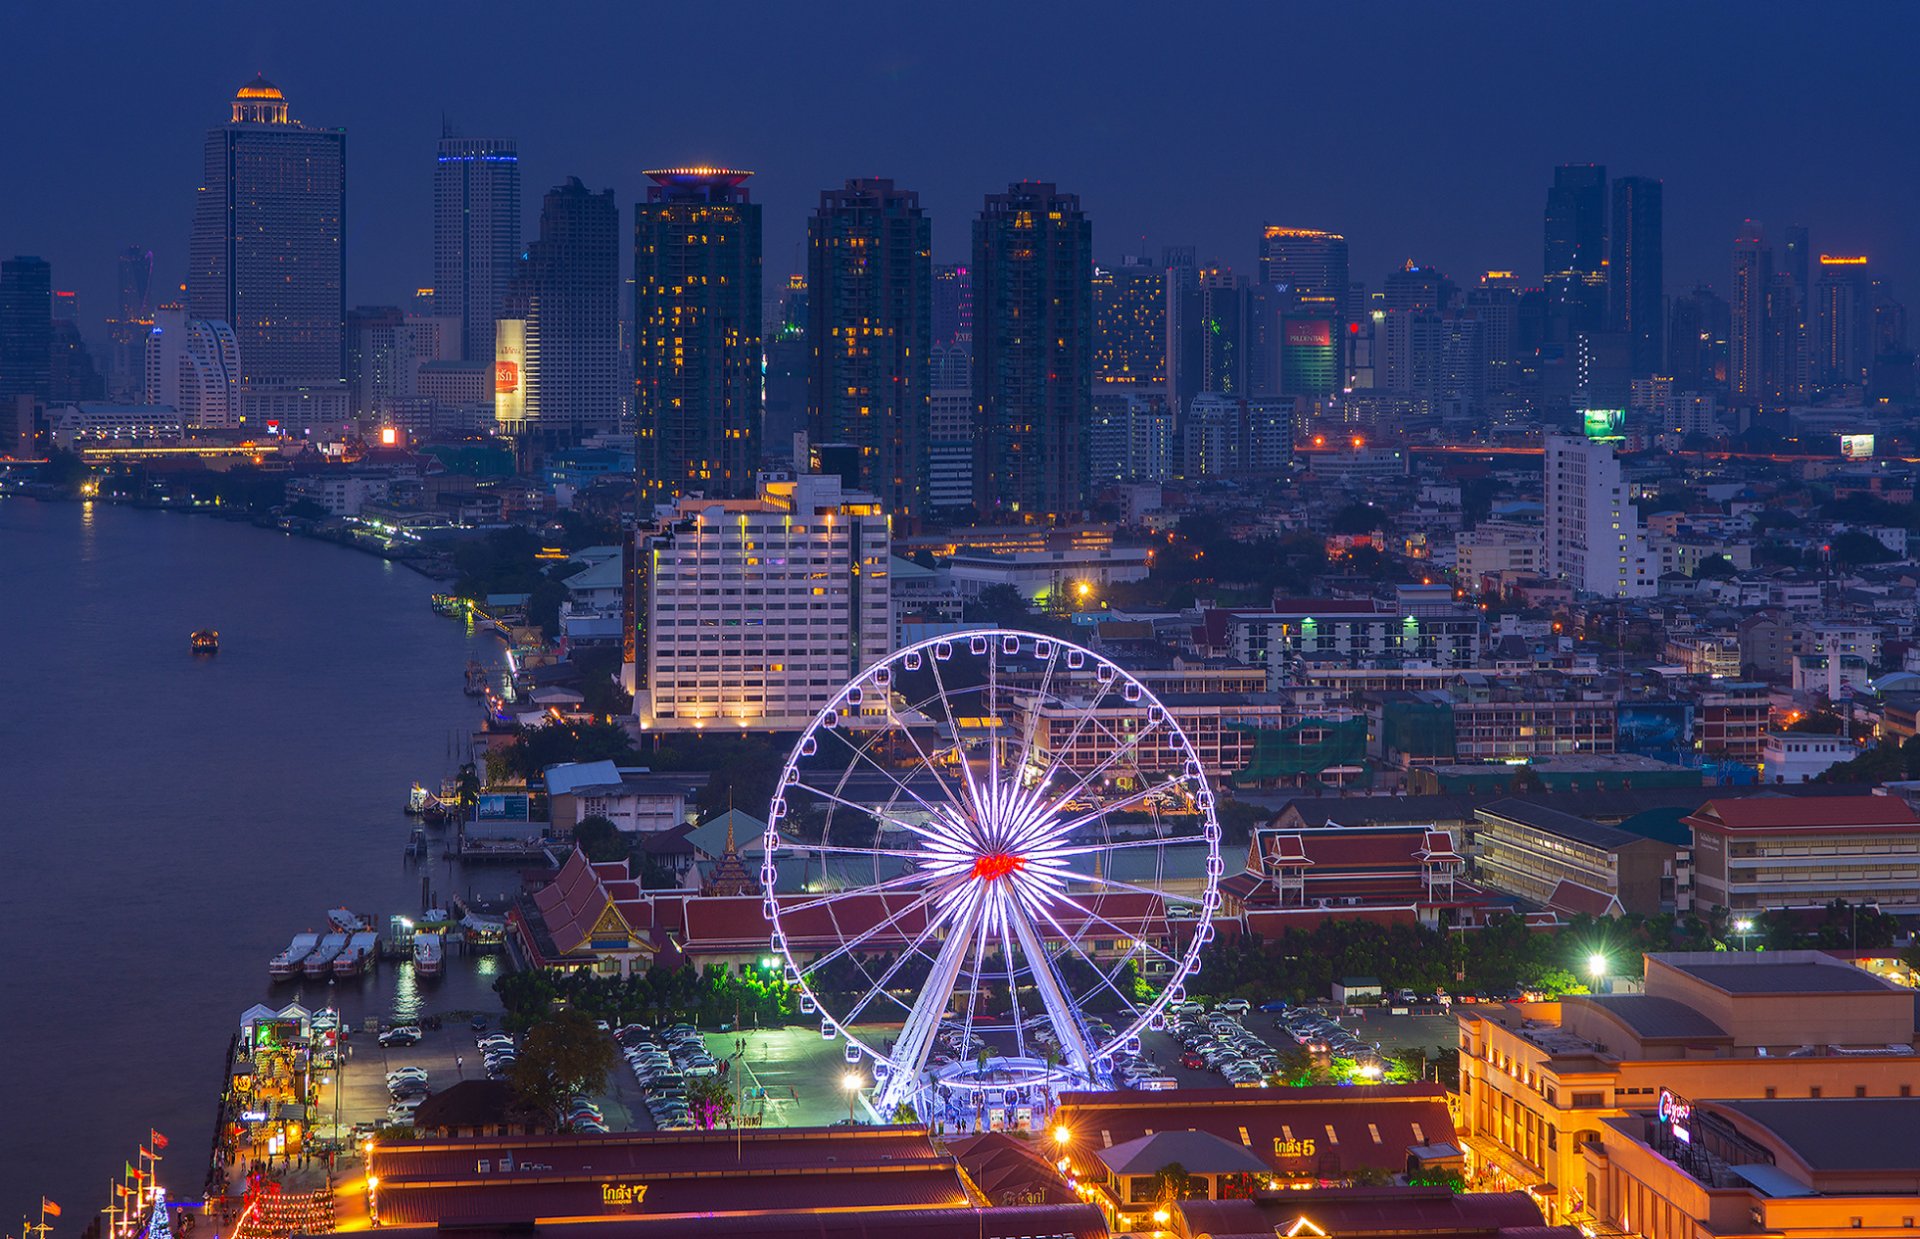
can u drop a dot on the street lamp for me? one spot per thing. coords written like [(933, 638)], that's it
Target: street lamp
[(851, 1082), (1743, 926), (1597, 968)]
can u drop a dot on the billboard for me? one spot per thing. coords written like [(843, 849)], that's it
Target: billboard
[(1662, 730), (1309, 362), (1604, 424), (1856, 447), (509, 371)]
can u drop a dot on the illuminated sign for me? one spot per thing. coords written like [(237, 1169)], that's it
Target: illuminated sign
[(1856, 447), (1843, 260), (1677, 1113), (1309, 363), (1293, 1148), (1309, 333), (622, 1193), (509, 357), (1604, 424), (389, 436)]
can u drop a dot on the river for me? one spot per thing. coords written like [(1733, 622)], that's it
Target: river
[(171, 820)]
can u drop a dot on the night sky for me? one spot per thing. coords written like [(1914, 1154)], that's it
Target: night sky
[(1421, 131)]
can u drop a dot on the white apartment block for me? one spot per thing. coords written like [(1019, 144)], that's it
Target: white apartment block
[(753, 613), (193, 365), (1594, 539), (1496, 546)]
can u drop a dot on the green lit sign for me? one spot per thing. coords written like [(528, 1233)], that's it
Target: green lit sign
[(1605, 423)]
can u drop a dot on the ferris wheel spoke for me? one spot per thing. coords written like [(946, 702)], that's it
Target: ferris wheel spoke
[(1117, 884), (891, 884), (1111, 760), (973, 991), (923, 1020), (848, 849), (1126, 935), (1107, 979), (880, 986), (860, 751), (1034, 710), (1119, 806), (972, 808), (866, 935), (945, 785), (1013, 993), (869, 810), (1073, 737), (1053, 993)]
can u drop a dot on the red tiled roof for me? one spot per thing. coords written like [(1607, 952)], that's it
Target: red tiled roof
[(1408, 1211), (1287, 848), (1277, 1122), (1803, 813), (1578, 899), (1074, 1221), (1009, 1171)]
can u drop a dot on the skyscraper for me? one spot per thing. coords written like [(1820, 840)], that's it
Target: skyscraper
[(1130, 324), (567, 295), (1594, 539), (1843, 344), (870, 303), (1635, 271), (1219, 339), (193, 365), (696, 323), (476, 235), (1747, 328), (953, 306), (1307, 269), (1033, 353), (1574, 259), (269, 256), (26, 329), (72, 375), (127, 328)]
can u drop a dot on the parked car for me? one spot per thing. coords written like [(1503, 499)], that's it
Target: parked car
[(406, 1034)]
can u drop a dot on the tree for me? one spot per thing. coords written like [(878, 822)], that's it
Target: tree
[(1860, 548), (1002, 606), (601, 840), (562, 1057), (1172, 1182), (1356, 518), (1715, 567), (710, 1101)]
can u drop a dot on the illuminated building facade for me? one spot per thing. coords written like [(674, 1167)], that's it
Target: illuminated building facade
[(26, 329), (697, 316), (1842, 321), (1575, 254), (1307, 270), (1130, 324), (268, 257), (1033, 353), (1747, 331), (1540, 1081), (193, 365), (752, 613), (476, 234), (870, 301), (1594, 539), (127, 329)]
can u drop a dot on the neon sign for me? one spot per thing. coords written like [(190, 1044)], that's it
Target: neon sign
[(623, 1193), (1677, 1113)]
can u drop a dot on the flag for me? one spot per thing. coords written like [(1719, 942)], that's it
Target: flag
[(49, 1208), (123, 1189), (156, 1139), (137, 1174), (144, 1152)]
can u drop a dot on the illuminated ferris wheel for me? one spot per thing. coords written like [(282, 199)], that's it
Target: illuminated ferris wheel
[(996, 857)]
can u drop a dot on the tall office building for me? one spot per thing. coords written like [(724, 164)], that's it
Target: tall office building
[(1130, 324), (1843, 344), (1574, 258), (72, 376), (1219, 338), (193, 365), (476, 235), (26, 329), (560, 337), (953, 306), (127, 328), (697, 317), (1307, 269), (268, 257), (1698, 327), (1033, 353), (1747, 328), (870, 302), (1796, 257), (800, 569), (789, 365), (1635, 271), (1594, 539)]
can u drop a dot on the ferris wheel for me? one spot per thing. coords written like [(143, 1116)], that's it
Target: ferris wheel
[(992, 858)]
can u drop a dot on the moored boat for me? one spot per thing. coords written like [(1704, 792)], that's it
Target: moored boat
[(320, 963), (361, 951), (429, 955), (287, 963)]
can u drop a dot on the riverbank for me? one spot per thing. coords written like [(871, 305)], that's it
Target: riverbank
[(204, 805)]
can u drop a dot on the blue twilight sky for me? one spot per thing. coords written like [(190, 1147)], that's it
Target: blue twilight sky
[(1425, 131)]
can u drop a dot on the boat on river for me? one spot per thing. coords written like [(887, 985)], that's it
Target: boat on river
[(320, 963), (361, 951), (287, 963), (429, 954), (206, 641)]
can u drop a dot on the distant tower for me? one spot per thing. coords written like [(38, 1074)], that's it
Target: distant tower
[(953, 307), (1574, 258), (26, 331), (269, 256), (696, 316), (870, 301), (1635, 272), (476, 235), (1033, 354), (1843, 321), (127, 327), (1747, 330), (568, 295)]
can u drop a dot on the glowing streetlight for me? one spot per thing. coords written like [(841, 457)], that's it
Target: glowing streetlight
[(1371, 1071), (851, 1082), (1061, 1135), (1596, 966), (1743, 926)]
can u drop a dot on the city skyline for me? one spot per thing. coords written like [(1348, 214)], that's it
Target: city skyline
[(1468, 144)]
